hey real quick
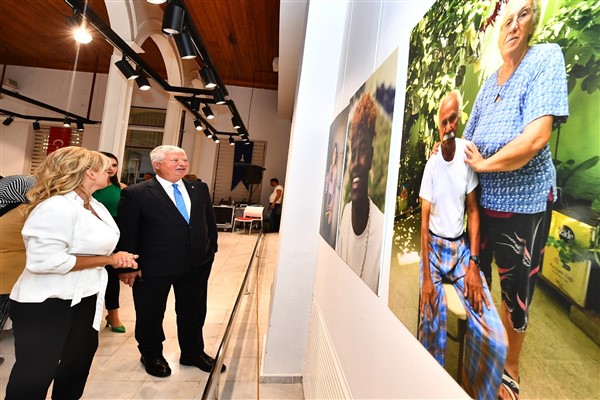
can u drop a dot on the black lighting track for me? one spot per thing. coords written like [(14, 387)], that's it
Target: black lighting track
[(80, 7), (38, 103)]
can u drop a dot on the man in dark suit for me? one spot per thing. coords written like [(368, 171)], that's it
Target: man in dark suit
[(171, 225)]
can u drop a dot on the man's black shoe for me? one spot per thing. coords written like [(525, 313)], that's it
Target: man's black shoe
[(156, 366), (203, 361)]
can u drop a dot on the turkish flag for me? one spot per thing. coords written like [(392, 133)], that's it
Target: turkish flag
[(59, 137)]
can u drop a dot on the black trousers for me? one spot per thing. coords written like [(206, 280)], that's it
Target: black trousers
[(53, 342), (150, 298), (113, 289)]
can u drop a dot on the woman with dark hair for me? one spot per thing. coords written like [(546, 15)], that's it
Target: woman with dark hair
[(109, 197)]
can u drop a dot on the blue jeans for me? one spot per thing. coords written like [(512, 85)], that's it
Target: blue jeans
[(274, 216)]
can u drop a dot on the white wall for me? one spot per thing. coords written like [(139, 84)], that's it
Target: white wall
[(62, 89), (345, 43), (264, 124), (68, 91)]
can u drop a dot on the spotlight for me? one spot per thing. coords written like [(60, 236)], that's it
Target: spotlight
[(80, 32), (208, 112), (156, 1), (219, 96), (208, 133), (207, 77), (82, 35), (235, 121), (231, 140), (198, 125), (79, 126), (195, 103), (246, 142), (185, 45), (216, 139), (67, 122), (126, 69), (142, 81), (173, 19), (36, 126), (9, 120)]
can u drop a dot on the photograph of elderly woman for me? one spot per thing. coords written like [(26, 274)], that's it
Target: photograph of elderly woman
[(524, 118)]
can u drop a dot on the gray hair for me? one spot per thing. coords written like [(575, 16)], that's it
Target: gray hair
[(159, 153), (454, 93), (536, 13)]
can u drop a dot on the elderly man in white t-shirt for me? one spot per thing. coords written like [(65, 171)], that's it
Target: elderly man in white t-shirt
[(448, 254)]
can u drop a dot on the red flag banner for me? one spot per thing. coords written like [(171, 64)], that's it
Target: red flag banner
[(59, 137)]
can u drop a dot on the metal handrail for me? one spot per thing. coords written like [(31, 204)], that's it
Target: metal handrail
[(214, 377)]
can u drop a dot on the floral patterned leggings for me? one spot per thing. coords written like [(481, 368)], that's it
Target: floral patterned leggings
[(517, 242)]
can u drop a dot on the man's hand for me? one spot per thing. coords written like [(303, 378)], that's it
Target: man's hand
[(128, 278), (427, 298), (474, 289)]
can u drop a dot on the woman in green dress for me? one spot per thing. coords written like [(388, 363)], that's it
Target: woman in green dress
[(109, 197)]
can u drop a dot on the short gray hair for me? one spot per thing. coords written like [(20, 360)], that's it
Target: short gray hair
[(454, 93), (159, 153)]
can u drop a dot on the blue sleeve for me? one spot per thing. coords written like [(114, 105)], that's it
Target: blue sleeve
[(548, 92)]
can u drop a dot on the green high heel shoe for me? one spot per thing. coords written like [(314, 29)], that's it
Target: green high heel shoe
[(117, 329)]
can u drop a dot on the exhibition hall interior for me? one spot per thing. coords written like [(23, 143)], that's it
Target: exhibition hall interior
[(332, 138)]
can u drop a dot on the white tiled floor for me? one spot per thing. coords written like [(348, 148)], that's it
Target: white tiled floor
[(118, 374)]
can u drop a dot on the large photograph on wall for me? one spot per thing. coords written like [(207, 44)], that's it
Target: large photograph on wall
[(356, 178), (333, 178), (519, 78)]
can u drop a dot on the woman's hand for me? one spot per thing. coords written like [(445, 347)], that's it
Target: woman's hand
[(474, 158), (434, 150), (123, 259)]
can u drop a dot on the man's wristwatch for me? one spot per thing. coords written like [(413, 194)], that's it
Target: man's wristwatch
[(475, 259)]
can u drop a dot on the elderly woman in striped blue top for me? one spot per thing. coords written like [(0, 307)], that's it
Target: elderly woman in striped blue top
[(510, 128)]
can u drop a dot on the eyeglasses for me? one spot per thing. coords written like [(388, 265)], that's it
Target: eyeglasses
[(523, 15)]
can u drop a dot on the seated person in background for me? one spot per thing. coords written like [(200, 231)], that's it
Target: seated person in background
[(447, 254)]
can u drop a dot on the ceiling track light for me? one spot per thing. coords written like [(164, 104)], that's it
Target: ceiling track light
[(67, 122), (216, 139), (156, 1), (79, 125), (208, 112), (126, 69), (219, 96), (9, 120), (173, 19), (198, 125), (80, 33), (231, 140), (36, 125), (195, 104), (235, 121), (208, 133), (142, 81), (185, 45), (207, 77)]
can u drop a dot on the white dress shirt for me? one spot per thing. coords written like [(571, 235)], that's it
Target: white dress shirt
[(56, 231)]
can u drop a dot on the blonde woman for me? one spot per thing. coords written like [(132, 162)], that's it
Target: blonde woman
[(57, 301)]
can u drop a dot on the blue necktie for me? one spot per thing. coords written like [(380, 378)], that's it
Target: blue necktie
[(180, 203)]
